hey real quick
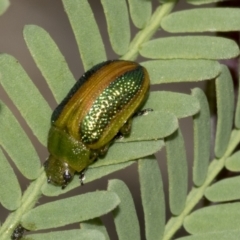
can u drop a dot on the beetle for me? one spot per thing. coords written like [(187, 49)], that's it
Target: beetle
[(18, 232), (99, 106)]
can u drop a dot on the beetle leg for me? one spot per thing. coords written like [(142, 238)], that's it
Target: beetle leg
[(102, 151), (143, 112), (93, 155), (126, 128), (82, 176), (49, 179), (45, 164), (67, 176), (119, 136)]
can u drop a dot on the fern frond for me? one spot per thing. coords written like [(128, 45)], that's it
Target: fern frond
[(173, 59)]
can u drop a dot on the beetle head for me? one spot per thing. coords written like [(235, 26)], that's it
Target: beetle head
[(58, 172)]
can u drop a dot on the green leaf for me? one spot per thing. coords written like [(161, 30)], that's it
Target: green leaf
[(125, 216), (179, 104), (222, 217), (154, 125), (222, 235), (190, 47), (49, 60), (123, 152), (180, 70), (98, 172), (95, 224), (202, 138), (86, 32), (70, 210), (200, 2), (140, 11), (117, 18), (177, 171), (225, 110), (10, 191), (202, 20), (152, 195), (67, 234), (90, 175), (237, 113), (224, 190), (17, 144), (4, 4), (27, 98), (233, 163)]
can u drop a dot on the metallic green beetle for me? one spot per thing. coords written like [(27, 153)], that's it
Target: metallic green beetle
[(98, 107)]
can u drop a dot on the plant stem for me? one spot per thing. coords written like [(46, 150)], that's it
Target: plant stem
[(196, 194), (150, 29), (29, 199)]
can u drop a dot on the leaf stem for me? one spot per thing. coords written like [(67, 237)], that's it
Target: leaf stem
[(150, 29), (29, 199), (197, 193)]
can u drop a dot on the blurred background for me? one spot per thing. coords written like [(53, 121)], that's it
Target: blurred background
[(50, 15)]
